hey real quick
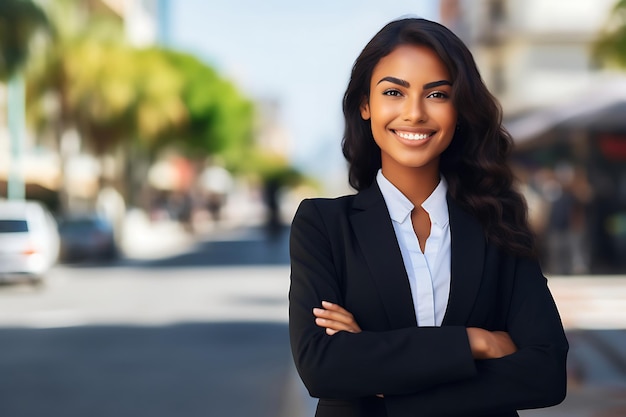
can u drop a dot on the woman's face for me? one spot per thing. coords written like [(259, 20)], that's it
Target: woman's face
[(410, 108)]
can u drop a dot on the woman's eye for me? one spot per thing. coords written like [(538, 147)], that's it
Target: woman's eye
[(438, 94), (393, 93)]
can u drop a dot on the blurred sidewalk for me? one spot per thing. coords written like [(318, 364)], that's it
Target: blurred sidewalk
[(593, 311)]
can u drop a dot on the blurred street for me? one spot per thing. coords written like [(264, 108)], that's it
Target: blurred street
[(201, 329), (169, 297), (191, 334)]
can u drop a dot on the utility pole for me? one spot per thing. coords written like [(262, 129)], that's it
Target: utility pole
[(16, 190)]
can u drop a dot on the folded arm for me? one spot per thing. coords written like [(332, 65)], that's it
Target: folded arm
[(484, 344), (532, 377)]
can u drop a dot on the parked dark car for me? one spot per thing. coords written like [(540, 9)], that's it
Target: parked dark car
[(87, 237)]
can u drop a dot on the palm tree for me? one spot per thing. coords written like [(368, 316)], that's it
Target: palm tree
[(20, 20)]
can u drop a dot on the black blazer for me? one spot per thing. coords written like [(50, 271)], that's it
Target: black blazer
[(345, 251)]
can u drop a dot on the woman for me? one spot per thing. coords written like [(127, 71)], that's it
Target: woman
[(421, 294)]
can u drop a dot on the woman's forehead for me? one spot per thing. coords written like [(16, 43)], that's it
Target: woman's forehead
[(407, 61)]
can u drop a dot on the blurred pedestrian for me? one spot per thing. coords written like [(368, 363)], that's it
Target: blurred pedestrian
[(271, 198), (217, 183), (566, 226), (421, 294)]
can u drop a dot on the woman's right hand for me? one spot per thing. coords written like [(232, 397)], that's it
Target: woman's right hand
[(335, 318), (489, 345)]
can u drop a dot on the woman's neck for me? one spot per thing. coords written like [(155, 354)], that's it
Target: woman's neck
[(417, 184)]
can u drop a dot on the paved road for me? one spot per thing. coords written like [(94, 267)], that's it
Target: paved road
[(200, 333), (190, 369), (203, 332)]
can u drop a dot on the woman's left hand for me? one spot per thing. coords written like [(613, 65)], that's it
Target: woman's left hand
[(335, 318), (490, 345)]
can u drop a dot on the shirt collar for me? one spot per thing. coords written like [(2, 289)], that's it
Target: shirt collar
[(400, 207), (436, 205)]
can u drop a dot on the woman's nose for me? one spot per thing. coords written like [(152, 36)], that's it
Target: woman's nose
[(415, 111)]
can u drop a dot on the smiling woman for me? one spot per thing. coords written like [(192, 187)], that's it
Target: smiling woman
[(421, 294), (411, 113)]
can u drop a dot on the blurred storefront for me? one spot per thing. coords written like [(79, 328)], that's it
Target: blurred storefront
[(573, 157)]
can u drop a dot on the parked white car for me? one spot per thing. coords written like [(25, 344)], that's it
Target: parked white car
[(29, 241)]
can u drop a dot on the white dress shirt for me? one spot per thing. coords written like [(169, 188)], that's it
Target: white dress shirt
[(429, 272)]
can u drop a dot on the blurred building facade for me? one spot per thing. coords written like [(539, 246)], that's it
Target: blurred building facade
[(530, 52), (565, 114)]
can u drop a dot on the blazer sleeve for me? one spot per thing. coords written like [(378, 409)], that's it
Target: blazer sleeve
[(533, 377), (348, 365)]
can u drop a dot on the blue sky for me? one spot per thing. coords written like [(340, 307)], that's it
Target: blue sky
[(297, 52)]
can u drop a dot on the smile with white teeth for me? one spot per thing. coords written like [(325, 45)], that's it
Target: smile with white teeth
[(413, 136)]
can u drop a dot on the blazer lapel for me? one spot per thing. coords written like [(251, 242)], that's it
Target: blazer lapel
[(467, 256), (374, 232)]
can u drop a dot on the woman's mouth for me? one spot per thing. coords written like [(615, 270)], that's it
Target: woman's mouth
[(413, 135)]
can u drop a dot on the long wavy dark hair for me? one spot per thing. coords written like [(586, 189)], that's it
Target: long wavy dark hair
[(475, 164)]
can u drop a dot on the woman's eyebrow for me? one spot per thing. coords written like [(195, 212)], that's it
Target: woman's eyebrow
[(395, 80), (406, 84), (436, 84)]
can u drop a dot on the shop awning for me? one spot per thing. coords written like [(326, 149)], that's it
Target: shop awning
[(601, 106)]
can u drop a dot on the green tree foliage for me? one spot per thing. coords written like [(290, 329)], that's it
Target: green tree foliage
[(120, 93), (19, 21), (220, 119), (113, 93), (610, 47), (144, 99), (105, 89)]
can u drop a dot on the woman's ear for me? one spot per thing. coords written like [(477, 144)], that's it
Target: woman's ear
[(365, 109)]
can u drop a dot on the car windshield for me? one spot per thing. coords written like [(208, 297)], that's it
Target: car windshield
[(13, 226)]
